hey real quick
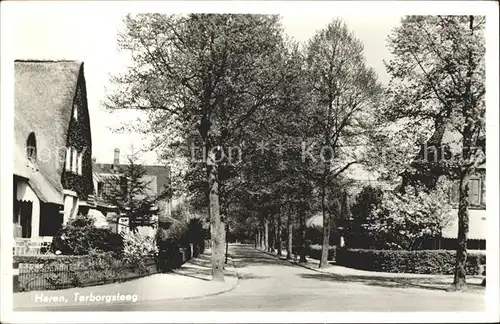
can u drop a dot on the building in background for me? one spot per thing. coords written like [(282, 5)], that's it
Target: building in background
[(443, 145), (52, 147), (447, 139), (157, 177)]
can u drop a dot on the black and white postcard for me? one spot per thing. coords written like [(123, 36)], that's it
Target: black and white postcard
[(249, 161)]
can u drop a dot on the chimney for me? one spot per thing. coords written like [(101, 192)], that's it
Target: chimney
[(116, 159)]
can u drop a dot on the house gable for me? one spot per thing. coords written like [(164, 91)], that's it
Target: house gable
[(44, 93), (78, 138)]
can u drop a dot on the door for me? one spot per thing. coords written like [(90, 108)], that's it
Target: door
[(26, 208)]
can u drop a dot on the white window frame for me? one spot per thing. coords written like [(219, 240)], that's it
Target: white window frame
[(456, 187), (79, 163), (73, 160), (68, 159), (479, 191)]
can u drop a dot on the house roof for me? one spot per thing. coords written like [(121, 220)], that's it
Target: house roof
[(446, 135), (44, 190), (21, 167), (167, 219), (316, 220), (96, 176), (160, 172), (44, 93)]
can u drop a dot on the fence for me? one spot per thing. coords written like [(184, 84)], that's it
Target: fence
[(60, 272), (23, 246)]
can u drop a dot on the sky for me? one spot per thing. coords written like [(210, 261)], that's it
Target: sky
[(90, 36)]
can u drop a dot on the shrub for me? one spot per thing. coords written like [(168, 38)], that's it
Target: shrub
[(403, 220), (173, 243), (136, 248), (401, 261), (137, 244), (80, 236), (178, 232), (365, 202), (314, 252), (314, 234), (195, 233), (161, 235)]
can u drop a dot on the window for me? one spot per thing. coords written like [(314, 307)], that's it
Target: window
[(109, 188), (75, 112), (99, 189), (475, 192), (73, 160), (79, 167), (31, 147), (455, 193), (68, 159)]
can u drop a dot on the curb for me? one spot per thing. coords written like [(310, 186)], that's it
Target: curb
[(318, 270), (207, 295)]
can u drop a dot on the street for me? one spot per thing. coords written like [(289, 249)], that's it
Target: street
[(269, 284)]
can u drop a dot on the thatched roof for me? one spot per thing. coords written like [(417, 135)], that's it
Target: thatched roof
[(43, 104)]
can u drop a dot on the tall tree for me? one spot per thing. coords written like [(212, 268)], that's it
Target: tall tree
[(438, 75), (200, 73), (344, 90)]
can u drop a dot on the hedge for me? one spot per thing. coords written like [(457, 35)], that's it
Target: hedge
[(314, 252), (402, 261)]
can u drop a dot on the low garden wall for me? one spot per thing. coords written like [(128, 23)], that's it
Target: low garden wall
[(401, 261)]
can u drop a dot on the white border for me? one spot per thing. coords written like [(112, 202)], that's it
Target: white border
[(369, 8)]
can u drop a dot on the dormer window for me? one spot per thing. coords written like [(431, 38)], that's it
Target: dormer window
[(31, 147), (75, 112)]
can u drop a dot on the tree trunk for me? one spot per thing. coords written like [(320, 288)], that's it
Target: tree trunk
[(278, 234), (226, 240), (272, 235), (289, 250), (326, 230), (215, 220), (303, 249), (463, 231), (262, 238), (266, 234), (468, 143)]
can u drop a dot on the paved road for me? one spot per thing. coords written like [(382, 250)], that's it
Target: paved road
[(269, 284)]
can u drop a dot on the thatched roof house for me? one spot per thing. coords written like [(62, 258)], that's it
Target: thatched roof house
[(52, 141)]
